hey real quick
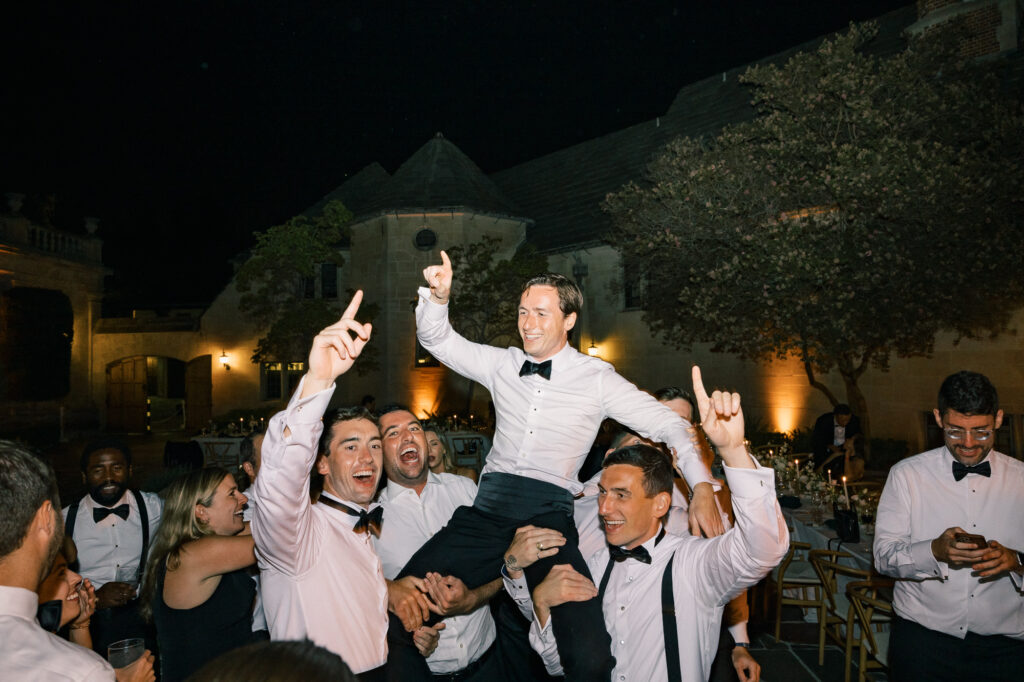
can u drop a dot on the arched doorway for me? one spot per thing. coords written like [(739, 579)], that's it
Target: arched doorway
[(155, 393)]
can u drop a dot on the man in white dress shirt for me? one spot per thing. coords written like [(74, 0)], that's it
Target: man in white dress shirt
[(549, 401), (30, 536), (113, 527), (959, 607), (417, 503), (320, 575), (663, 594), (250, 455)]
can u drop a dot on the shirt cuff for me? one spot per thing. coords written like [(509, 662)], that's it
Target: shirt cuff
[(516, 587), (310, 409), (750, 483), (424, 295), (739, 632), (925, 562)]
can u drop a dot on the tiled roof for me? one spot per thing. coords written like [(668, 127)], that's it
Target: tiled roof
[(438, 176), (562, 191), (355, 191)]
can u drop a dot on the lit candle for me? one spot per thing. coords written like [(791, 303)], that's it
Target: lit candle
[(846, 493), (798, 468), (829, 477)]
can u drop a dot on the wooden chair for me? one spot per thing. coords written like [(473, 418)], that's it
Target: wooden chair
[(793, 573), (871, 601), (835, 617)]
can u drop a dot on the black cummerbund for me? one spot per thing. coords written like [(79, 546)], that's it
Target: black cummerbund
[(520, 498)]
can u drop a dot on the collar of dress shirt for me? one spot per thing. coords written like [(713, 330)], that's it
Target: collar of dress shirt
[(393, 490), (18, 602), (652, 541), (351, 505), (126, 498), (560, 359)]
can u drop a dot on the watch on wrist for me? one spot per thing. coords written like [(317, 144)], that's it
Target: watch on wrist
[(745, 645)]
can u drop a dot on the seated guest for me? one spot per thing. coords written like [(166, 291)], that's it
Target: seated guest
[(296, 661), (30, 537), (66, 598), (440, 460), (642, 564), (197, 589), (833, 443)]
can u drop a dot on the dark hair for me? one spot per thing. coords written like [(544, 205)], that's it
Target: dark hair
[(105, 444), (25, 483), (394, 407), (968, 393), (246, 453), (663, 395), (295, 661), (570, 298), (651, 461), (842, 408), (336, 416), (368, 399), (621, 435)]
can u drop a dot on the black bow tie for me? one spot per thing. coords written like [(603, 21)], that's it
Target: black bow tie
[(959, 470), (541, 368), (100, 513), (368, 521), (639, 553)]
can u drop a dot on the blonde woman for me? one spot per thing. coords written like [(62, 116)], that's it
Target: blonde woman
[(196, 588), (439, 460)]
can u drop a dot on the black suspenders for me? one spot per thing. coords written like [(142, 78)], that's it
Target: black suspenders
[(668, 617), (69, 525)]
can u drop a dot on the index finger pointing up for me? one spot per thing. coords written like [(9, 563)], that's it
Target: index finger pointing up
[(353, 306), (446, 261), (698, 387)]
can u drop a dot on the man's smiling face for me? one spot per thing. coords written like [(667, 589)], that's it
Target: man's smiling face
[(542, 325), (405, 448), (352, 465)]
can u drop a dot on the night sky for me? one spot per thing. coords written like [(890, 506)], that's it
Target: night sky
[(186, 126)]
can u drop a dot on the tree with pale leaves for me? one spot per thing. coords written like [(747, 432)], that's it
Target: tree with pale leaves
[(870, 204)]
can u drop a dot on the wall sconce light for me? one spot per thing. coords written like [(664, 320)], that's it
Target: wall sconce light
[(224, 361), (592, 351)]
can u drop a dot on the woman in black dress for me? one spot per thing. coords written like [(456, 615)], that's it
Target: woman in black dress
[(197, 589)]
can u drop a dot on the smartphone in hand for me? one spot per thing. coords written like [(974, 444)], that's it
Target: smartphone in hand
[(978, 540)]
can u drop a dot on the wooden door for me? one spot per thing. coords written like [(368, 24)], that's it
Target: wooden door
[(126, 395), (198, 386)]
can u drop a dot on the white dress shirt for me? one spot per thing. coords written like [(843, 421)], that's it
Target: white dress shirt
[(30, 654), (409, 521), (320, 580), (920, 501), (545, 427), (259, 620), (706, 574), (113, 543)]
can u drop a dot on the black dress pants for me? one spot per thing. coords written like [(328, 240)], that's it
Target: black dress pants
[(918, 653), (472, 548)]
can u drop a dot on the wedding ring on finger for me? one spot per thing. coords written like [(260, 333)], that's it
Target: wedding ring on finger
[(540, 546)]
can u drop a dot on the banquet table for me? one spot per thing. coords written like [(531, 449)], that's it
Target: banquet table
[(820, 536)]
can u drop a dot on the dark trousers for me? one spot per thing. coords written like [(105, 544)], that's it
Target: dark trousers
[(918, 653), (472, 548)]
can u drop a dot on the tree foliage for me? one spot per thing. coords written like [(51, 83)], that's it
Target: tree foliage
[(272, 283), (870, 204)]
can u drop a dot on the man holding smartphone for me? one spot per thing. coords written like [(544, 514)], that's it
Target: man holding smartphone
[(959, 608)]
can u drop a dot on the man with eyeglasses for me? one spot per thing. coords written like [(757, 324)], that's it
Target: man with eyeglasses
[(959, 606)]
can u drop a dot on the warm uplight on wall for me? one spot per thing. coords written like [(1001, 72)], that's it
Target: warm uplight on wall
[(786, 419), (224, 359)]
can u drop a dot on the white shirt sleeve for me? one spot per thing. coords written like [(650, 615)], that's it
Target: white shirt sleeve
[(895, 554), (434, 331), (725, 565), (282, 524)]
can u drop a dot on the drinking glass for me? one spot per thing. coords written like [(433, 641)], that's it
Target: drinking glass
[(127, 575), (125, 652)]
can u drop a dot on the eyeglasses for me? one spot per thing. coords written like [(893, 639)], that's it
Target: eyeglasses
[(980, 435)]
